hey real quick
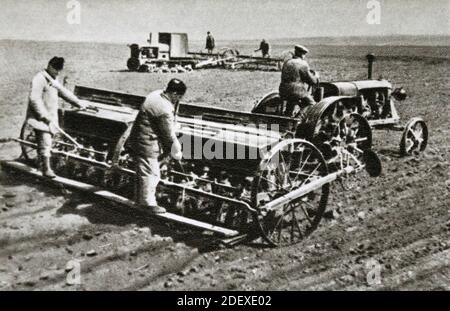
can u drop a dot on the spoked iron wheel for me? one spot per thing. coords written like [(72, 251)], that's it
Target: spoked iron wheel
[(292, 164), (29, 153), (415, 137)]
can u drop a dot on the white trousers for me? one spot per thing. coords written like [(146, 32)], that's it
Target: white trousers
[(147, 179), (44, 142)]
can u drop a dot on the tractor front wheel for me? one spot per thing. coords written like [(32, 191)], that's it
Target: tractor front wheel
[(414, 138)]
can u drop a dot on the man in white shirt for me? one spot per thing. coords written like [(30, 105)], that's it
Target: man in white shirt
[(43, 109)]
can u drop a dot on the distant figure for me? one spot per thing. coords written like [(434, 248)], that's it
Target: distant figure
[(296, 77), (264, 47), (210, 42)]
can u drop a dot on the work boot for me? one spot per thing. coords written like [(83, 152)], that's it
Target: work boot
[(46, 168), (155, 209)]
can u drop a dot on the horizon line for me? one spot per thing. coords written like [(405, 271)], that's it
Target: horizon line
[(252, 39)]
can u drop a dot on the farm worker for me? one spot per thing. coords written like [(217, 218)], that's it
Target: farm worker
[(42, 112), (152, 138), (296, 77), (210, 42), (264, 47)]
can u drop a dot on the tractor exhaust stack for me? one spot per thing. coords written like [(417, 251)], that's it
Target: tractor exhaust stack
[(370, 58)]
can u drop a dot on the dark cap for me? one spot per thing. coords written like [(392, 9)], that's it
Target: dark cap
[(300, 49), (176, 86), (57, 63)]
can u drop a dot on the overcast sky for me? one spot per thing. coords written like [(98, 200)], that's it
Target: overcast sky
[(132, 20)]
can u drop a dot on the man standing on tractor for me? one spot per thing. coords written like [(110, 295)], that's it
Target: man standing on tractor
[(153, 138), (42, 112), (296, 78), (210, 42), (264, 47)]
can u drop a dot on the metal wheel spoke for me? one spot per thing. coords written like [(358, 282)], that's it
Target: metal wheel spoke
[(280, 227), (278, 186), (30, 150), (288, 210), (411, 133), (299, 173), (361, 139), (282, 165), (274, 171), (418, 129), (292, 224), (311, 175), (357, 149), (287, 168), (306, 214), (309, 204), (417, 135), (297, 225), (409, 144), (301, 168), (301, 154)]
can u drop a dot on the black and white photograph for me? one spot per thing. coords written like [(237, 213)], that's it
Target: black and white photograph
[(228, 146)]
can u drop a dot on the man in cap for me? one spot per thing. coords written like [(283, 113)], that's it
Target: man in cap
[(210, 42), (42, 112), (152, 138), (296, 77)]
